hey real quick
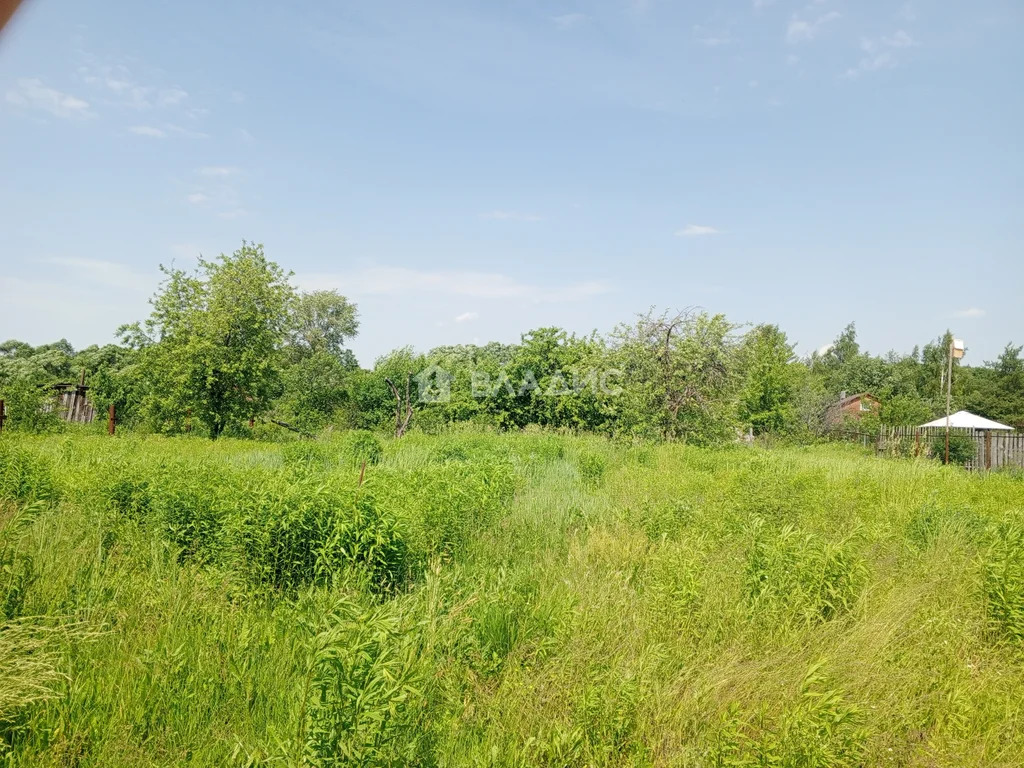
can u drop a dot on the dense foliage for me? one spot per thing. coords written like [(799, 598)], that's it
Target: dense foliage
[(234, 343)]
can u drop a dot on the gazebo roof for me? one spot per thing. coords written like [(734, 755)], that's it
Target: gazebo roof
[(967, 420)]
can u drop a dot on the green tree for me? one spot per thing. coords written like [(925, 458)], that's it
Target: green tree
[(214, 341), (680, 374), (321, 322), (767, 399)]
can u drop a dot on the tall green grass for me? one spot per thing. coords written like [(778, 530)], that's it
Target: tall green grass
[(503, 600)]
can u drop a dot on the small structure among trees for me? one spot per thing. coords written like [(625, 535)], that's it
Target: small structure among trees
[(852, 407)]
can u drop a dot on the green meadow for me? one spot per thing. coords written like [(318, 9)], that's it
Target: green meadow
[(517, 599)]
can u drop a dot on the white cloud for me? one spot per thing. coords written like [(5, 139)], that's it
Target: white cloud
[(696, 230), (879, 53), (972, 312), (900, 40), (396, 281), (32, 93), (803, 30), (466, 317), (196, 198), (147, 130), (511, 216), (569, 20), (170, 97), (711, 40), (217, 171)]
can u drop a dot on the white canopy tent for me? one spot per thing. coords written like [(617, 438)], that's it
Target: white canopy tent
[(966, 420)]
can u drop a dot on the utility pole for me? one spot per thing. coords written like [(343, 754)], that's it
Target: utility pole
[(956, 349)]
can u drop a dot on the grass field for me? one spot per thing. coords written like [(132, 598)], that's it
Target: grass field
[(504, 600)]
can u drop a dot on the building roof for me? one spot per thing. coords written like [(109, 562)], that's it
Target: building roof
[(853, 398), (967, 420)]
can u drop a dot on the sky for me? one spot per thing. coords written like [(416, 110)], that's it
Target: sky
[(466, 171)]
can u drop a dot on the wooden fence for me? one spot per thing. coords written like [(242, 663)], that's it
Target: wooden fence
[(992, 449)]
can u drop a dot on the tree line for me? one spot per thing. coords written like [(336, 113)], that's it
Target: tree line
[(233, 348)]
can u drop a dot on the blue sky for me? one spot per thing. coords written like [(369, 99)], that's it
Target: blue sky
[(466, 171)]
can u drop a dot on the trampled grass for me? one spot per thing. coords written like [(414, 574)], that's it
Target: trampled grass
[(504, 600)]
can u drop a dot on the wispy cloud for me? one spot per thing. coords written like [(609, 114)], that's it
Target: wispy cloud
[(214, 188), (217, 171), (120, 86), (465, 317), (569, 20), (511, 216), (170, 97), (802, 30), (712, 40), (880, 53), (900, 40), (696, 230), (398, 281), (759, 4), (32, 93), (147, 130), (971, 312)]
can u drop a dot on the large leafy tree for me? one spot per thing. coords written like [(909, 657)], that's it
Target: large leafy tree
[(320, 370), (767, 401), (680, 374), (214, 341), (321, 323)]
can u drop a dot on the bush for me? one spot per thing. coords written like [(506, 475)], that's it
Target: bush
[(301, 531), (961, 448), (30, 406)]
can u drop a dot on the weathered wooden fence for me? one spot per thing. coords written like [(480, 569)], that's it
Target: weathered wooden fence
[(992, 449), (73, 403)]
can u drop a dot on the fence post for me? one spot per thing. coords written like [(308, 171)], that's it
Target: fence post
[(988, 449), (1, 415), (110, 419)]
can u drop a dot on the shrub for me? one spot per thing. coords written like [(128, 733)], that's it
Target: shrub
[(30, 406), (296, 532), (961, 448)]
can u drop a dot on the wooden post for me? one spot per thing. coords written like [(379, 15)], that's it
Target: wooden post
[(110, 419), (917, 434), (252, 422), (949, 395), (988, 449), (1, 415)]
